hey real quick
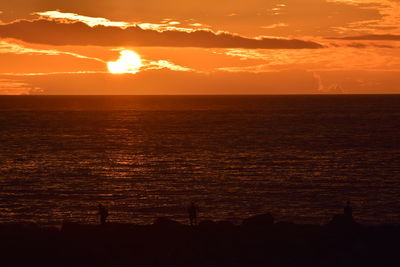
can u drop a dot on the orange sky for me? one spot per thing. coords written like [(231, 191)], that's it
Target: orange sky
[(201, 47)]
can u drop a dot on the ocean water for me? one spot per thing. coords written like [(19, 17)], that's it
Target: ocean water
[(298, 157)]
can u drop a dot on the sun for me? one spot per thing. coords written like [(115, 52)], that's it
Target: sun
[(128, 62)]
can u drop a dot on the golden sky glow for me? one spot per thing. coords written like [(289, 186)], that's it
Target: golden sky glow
[(212, 47)]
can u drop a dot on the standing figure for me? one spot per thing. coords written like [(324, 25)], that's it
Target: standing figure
[(103, 214), (192, 210), (348, 211)]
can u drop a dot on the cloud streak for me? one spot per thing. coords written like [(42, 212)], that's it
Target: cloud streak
[(173, 82), (371, 37), (164, 64), (14, 48), (90, 21), (176, 82), (165, 25), (16, 87), (55, 32)]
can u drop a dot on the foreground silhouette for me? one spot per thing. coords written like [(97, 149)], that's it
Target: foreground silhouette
[(258, 241), (103, 214), (192, 210), (348, 211), (344, 221)]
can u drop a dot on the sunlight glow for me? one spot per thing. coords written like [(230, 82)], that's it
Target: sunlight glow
[(128, 62)]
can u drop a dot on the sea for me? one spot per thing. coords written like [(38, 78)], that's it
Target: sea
[(299, 157)]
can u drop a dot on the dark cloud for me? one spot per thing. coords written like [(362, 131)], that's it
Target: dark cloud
[(304, 18), (362, 45), (371, 37), (58, 33)]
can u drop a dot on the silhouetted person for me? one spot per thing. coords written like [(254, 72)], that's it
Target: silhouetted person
[(344, 221), (348, 211), (103, 214), (192, 210)]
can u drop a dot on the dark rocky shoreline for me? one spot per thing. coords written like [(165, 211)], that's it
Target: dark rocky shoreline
[(258, 241)]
